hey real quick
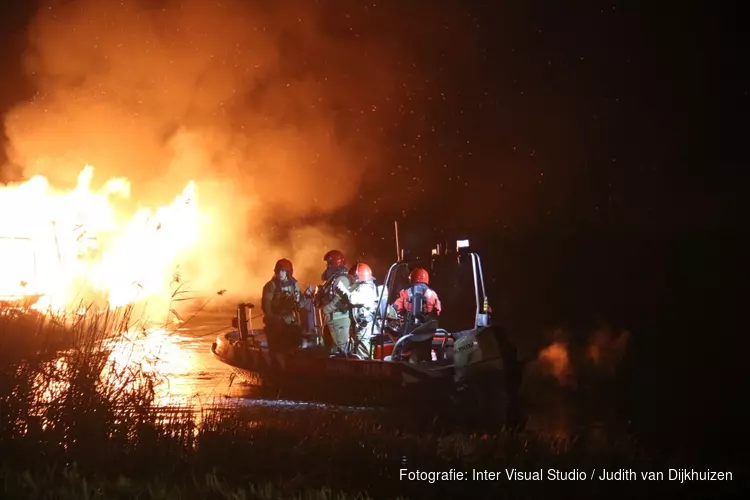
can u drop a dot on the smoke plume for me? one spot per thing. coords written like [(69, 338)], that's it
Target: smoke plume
[(269, 107)]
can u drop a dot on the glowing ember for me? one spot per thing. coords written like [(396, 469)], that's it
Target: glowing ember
[(555, 357), (68, 247), (607, 347)]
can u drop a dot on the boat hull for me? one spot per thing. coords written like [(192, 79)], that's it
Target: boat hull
[(479, 381), (312, 372)]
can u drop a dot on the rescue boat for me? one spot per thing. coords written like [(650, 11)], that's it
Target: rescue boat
[(476, 362)]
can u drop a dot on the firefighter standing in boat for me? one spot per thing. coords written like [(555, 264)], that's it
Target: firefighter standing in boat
[(418, 304), (363, 300), (282, 300), (331, 298)]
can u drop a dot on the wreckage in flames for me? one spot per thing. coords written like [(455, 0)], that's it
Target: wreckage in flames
[(58, 249)]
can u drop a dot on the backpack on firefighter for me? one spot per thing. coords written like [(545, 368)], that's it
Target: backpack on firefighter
[(416, 313)]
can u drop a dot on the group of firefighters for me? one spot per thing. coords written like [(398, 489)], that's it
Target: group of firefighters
[(348, 300)]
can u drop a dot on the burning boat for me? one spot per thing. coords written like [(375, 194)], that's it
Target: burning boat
[(471, 359)]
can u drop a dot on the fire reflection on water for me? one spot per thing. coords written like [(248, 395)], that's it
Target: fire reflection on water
[(177, 361), (173, 363), (157, 352)]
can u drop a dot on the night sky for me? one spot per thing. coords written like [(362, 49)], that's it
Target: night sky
[(585, 117)]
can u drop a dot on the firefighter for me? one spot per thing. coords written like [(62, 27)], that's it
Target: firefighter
[(418, 293), (281, 303), (418, 304), (332, 299), (363, 299)]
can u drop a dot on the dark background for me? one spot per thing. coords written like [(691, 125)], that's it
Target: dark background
[(594, 154)]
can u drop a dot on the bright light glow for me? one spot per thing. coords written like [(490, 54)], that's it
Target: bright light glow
[(462, 244), (17, 267), (69, 246)]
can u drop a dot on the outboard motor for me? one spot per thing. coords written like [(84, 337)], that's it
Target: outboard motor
[(477, 352), (487, 369)]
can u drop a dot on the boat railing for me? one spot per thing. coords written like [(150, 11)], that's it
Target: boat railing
[(481, 317)]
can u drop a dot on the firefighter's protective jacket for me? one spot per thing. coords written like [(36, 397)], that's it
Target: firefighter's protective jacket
[(430, 300), (333, 301), (364, 300), (282, 301)]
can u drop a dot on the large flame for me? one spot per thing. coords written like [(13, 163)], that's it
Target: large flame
[(80, 246)]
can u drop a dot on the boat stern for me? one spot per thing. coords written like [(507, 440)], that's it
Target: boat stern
[(482, 352)]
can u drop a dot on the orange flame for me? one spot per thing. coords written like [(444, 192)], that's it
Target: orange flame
[(555, 358), (67, 247)]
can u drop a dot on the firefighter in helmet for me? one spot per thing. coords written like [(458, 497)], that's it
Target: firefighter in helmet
[(363, 299), (418, 304), (332, 299), (282, 300), (418, 300)]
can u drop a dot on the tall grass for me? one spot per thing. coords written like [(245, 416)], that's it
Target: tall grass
[(59, 389), (75, 424), (69, 484)]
